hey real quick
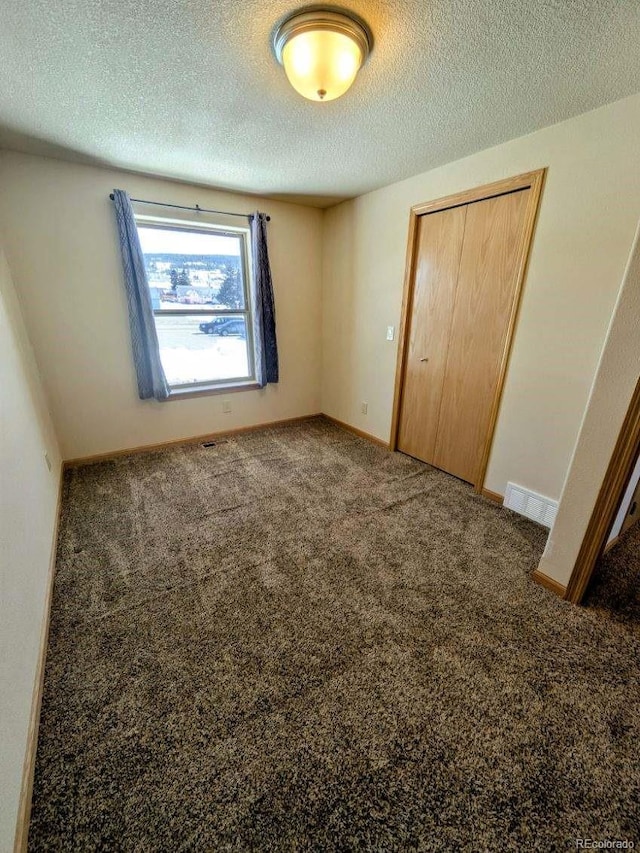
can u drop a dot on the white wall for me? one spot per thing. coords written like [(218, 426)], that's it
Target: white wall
[(28, 501), (588, 214), (615, 381), (61, 243)]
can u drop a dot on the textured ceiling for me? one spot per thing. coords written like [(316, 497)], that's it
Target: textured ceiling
[(189, 88)]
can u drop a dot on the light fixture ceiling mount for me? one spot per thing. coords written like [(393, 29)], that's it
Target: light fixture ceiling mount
[(322, 49)]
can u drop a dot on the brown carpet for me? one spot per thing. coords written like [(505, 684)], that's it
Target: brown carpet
[(296, 640), (615, 587)]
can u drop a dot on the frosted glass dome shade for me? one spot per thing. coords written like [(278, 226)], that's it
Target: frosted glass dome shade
[(321, 52)]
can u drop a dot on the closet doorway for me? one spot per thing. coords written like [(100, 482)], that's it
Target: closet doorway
[(466, 262)]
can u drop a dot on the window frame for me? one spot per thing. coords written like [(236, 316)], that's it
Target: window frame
[(212, 386)]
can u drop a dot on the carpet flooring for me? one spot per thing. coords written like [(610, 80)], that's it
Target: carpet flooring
[(295, 640), (615, 586)]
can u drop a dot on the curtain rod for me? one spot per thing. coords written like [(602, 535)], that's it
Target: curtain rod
[(196, 208)]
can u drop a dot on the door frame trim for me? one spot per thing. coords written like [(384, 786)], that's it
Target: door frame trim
[(619, 470), (529, 180)]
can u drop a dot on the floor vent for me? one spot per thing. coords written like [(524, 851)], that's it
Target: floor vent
[(214, 443), (533, 506)]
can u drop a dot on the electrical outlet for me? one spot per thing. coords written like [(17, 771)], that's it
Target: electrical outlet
[(226, 407), (364, 407), (391, 333), (47, 460)]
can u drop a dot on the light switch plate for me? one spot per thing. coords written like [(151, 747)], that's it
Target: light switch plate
[(391, 333)]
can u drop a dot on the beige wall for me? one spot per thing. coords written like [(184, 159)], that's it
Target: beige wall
[(590, 207), (61, 243), (28, 500), (611, 394)]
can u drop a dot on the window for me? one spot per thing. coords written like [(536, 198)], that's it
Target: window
[(198, 278)]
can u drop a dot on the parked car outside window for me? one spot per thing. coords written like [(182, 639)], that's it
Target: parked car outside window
[(224, 326)]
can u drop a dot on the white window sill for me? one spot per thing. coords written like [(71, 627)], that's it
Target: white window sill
[(205, 390)]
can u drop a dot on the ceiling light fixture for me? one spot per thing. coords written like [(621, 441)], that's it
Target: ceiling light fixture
[(322, 50)]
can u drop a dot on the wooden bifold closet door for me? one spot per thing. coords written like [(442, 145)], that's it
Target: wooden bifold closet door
[(468, 260)]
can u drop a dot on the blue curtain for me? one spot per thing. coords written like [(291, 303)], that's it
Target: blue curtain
[(264, 320), (144, 339)]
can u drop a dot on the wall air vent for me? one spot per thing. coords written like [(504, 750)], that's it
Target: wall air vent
[(533, 506)]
